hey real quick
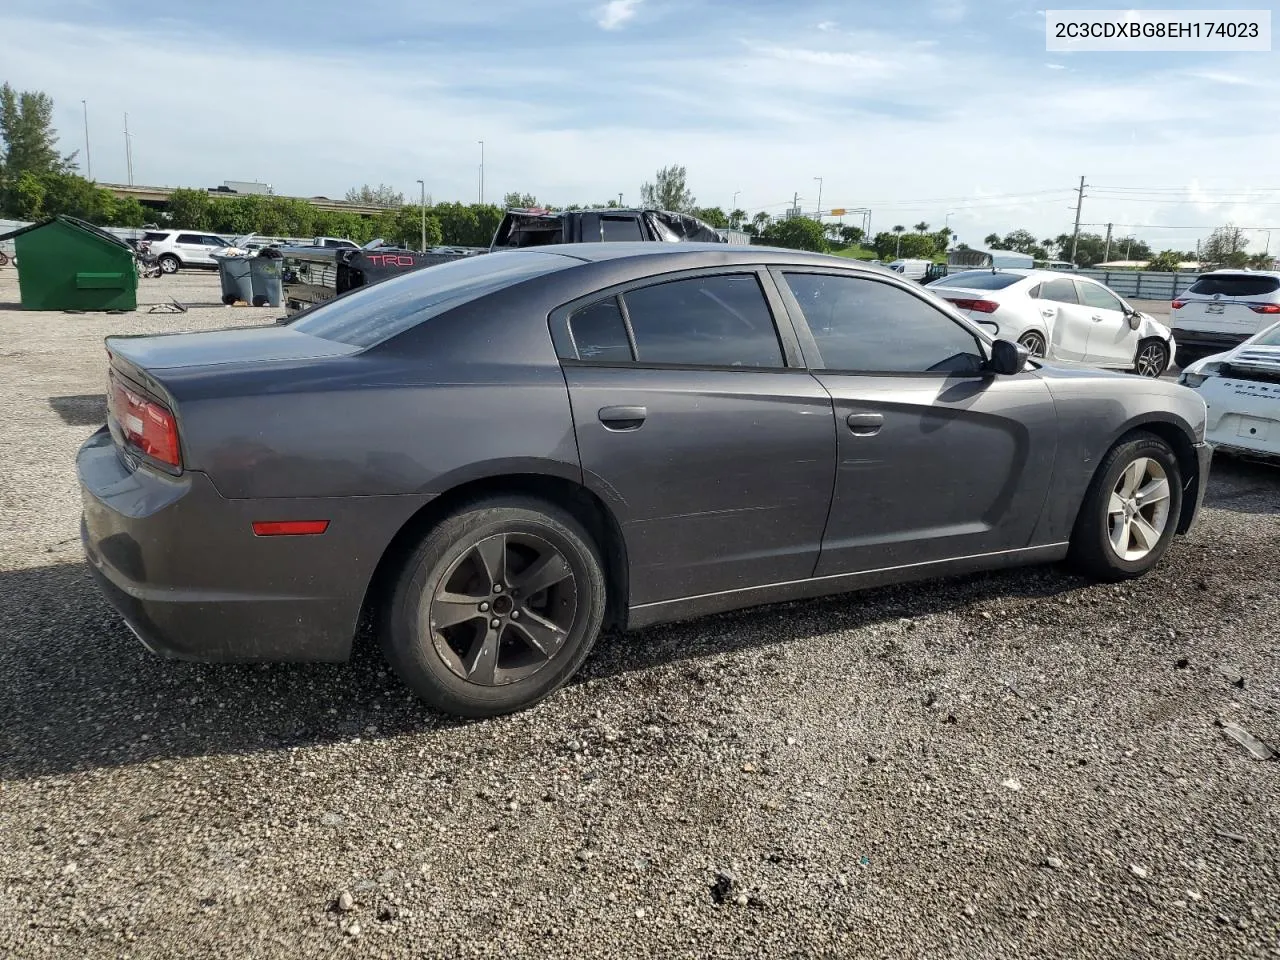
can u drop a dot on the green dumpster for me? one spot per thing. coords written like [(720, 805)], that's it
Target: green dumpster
[(67, 264)]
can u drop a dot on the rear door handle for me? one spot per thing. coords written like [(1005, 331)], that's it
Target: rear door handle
[(1048, 313), (623, 418), (865, 424), (1098, 319)]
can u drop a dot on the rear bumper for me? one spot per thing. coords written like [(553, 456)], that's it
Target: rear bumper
[(1207, 341), (1244, 416), (182, 566)]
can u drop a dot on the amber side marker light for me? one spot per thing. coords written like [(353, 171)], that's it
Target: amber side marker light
[(289, 528)]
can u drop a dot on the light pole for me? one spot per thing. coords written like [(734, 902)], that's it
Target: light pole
[(818, 213), (423, 205), (128, 149), (947, 224), (88, 158), (481, 142)]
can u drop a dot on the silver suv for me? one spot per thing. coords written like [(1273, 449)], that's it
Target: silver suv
[(176, 249), (1223, 309)]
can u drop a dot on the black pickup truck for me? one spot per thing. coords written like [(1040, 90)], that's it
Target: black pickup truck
[(314, 274)]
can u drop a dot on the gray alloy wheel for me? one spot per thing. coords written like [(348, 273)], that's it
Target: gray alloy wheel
[(496, 607), (1152, 359), (1131, 510), (1033, 340), (169, 263), (1138, 509), (503, 610)]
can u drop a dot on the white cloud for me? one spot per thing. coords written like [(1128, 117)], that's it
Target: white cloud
[(826, 26), (615, 13), (1055, 66)]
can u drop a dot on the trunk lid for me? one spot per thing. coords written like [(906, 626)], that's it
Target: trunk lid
[(242, 345)]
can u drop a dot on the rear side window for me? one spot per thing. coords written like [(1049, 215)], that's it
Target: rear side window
[(1059, 291), (151, 235), (600, 333), (716, 321), (620, 228), (1235, 285), (369, 315)]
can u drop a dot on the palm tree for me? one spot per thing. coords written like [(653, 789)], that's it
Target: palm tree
[(1261, 261), (737, 217), (761, 220), (899, 229), (921, 227), (991, 239)]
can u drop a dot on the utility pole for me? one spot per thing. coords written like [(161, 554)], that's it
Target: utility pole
[(1106, 251), (619, 198), (734, 205), (795, 204), (481, 142), (1127, 244), (88, 158), (128, 150), (1075, 234), (817, 214), (423, 206)]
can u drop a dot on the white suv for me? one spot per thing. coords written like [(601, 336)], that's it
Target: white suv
[(1223, 309), (176, 249)]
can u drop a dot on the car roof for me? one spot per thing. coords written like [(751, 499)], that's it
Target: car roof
[(693, 250)]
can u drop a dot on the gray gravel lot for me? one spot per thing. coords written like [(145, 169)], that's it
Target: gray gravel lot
[(1013, 765)]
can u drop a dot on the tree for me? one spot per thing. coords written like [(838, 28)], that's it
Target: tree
[(1224, 248), (381, 194), (191, 209), (736, 218), (760, 221), (993, 241), (519, 201), (1166, 261), (921, 227), (669, 191), (851, 235), (712, 215), (26, 128), (24, 197), (1262, 261), (899, 229), (796, 233)]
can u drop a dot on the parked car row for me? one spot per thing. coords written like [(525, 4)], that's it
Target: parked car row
[(176, 249), (500, 456)]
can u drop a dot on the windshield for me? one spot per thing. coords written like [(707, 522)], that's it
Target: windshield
[(373, 314), (978, 280), (1269, 337)]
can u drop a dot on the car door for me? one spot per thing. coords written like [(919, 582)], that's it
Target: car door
[(937, 458), (1112, 342), (190, 248), (699, 426), (1068, 323)]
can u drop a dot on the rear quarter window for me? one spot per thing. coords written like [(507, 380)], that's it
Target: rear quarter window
[(1235, 285), (371, 315)]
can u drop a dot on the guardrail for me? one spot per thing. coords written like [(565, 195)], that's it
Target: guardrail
[(1143, 284)]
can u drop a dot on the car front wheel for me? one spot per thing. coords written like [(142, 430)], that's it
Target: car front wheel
[(169, 263), (496, 608), (1130, 512), (1152, 358)]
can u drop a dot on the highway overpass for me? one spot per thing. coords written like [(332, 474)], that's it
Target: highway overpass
[(157, 195)]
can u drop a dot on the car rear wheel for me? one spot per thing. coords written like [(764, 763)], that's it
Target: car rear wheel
[(1033, 340), (1152, 358), (169, 263), (1131, 510), (496, 608)]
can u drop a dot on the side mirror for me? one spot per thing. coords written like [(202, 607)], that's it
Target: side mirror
[(1135, 320), (1007, 358)]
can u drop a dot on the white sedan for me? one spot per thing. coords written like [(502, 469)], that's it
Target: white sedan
[(1062, 317), (1241, 388)]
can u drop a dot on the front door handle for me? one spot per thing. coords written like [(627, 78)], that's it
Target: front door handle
[(623, 418), (1098, 319), (1048, 313), (865, 424)]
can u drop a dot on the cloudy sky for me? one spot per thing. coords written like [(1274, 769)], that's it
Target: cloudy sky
[(917, 109)]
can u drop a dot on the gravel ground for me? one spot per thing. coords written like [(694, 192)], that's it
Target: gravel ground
[(1013, 765)]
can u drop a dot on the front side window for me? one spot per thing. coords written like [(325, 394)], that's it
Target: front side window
[(867, 326), (190, 238), (716, 321), (1098, 297)]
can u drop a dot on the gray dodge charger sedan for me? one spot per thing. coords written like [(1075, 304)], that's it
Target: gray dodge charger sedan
[(498, 458)]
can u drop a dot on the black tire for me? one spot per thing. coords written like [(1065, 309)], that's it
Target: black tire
[(1151, 359), (1091, 551), (169, 263), (426, 658)]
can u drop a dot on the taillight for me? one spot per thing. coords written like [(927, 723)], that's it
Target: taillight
[(1178, 304), (1265, 307), (145, 424), (982, 306)]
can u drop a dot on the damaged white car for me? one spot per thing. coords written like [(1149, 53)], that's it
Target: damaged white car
[(1241, 388)]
